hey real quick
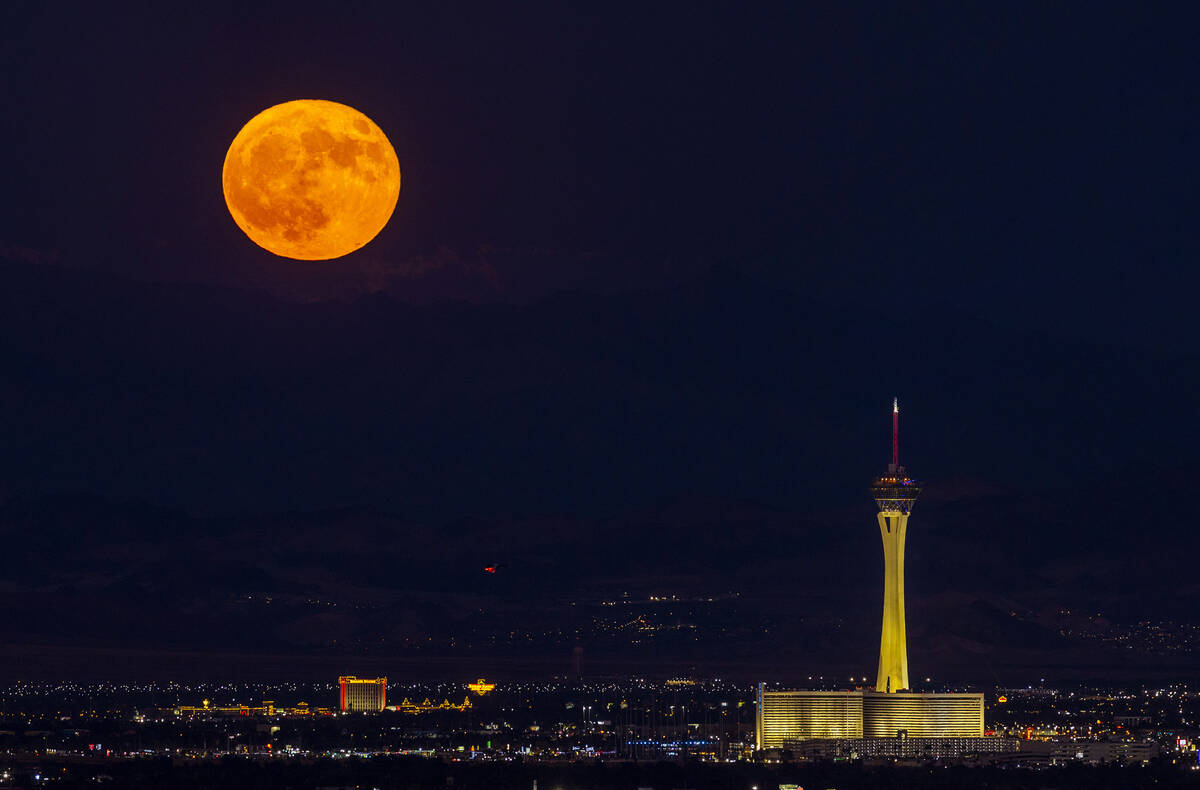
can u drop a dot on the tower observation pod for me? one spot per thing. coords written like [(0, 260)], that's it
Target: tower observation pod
[(894, 493)]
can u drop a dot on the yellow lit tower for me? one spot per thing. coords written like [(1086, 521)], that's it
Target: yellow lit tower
[(895, 493)]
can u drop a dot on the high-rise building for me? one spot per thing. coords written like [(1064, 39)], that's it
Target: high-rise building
[(894, 493), (362, 693)]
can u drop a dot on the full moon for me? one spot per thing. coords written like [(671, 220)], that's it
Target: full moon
[(311, 179)]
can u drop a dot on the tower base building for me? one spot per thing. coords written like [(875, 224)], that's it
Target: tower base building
[(928, 715), (785, 717), (797, 715)]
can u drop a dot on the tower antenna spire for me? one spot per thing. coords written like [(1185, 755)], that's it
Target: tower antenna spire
[(895, 431)]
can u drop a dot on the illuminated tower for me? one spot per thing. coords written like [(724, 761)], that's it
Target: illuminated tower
[(895, 493)]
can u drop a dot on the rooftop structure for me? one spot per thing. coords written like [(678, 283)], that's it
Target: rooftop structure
[(481, 687), (406, 706)]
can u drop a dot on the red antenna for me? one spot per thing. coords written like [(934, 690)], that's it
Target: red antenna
[(895, 431)]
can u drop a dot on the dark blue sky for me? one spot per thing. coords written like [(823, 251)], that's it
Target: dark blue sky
[(742, 203), (1035, 164), (654, 277)]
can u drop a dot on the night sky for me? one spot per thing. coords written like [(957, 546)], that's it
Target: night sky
[(1024, 170), (1035, 166), (642, 254)]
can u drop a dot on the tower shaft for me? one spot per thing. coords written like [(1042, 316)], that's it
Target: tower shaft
[(895, 493), (893, 644)]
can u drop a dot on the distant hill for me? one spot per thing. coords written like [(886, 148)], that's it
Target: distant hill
[(333, 478), (1001, 586)]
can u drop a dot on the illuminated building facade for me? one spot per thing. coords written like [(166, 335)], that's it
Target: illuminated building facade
[(922, 715), (894, 493), (901, 748), (787, 716), (268, 708), (362, 693), (411, 708), (481, 687), (1102, 752)]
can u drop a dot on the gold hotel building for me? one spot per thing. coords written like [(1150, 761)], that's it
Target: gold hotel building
[(786, 716), (362, 693)]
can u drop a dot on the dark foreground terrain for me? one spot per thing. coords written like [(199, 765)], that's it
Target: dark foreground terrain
[(415, 772)]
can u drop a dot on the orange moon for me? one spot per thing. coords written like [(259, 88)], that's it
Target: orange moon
[(311, 179)]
